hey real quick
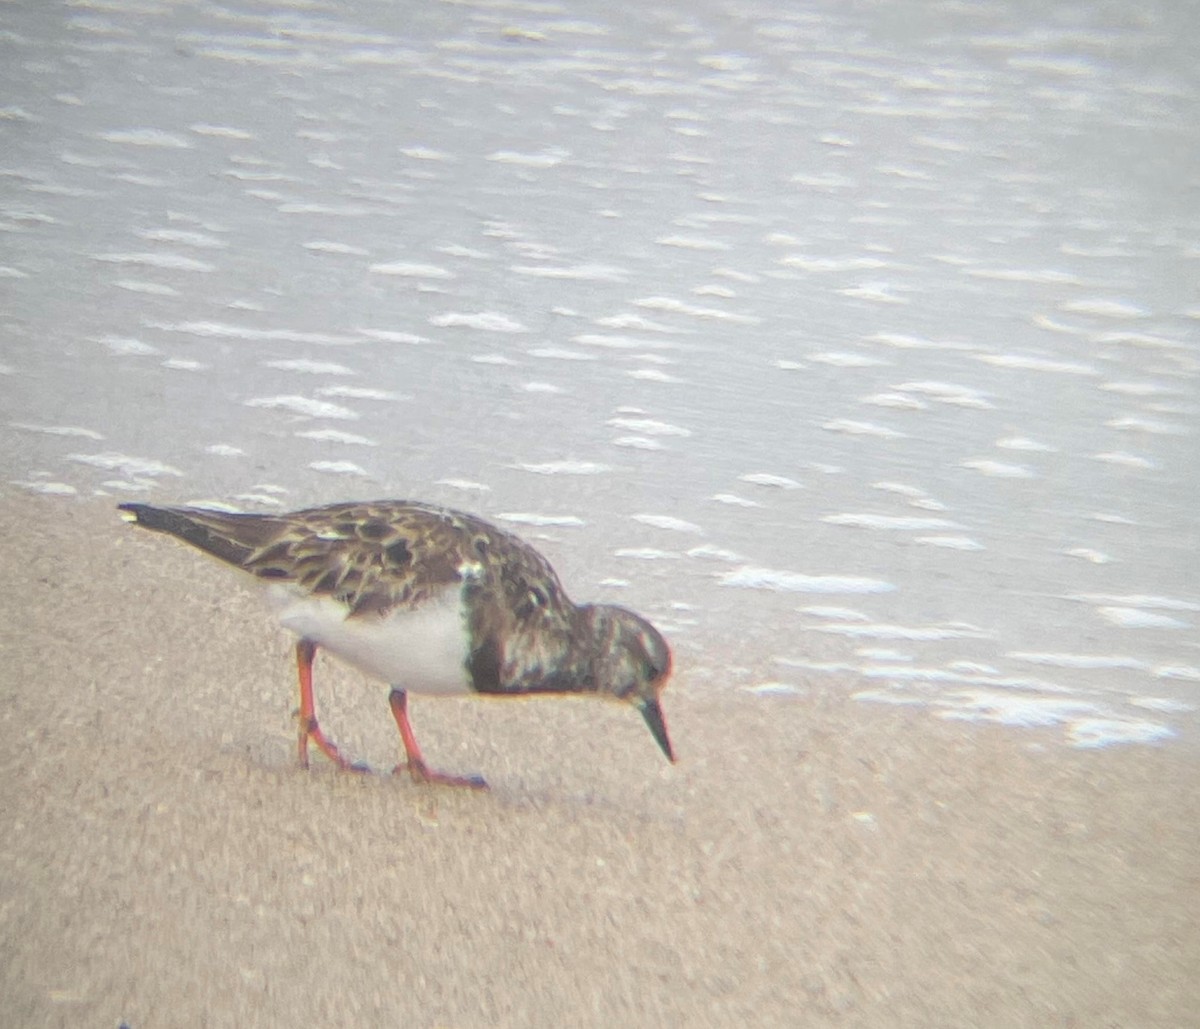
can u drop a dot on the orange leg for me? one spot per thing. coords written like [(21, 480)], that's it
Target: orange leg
[(306, 650), (398, 699)]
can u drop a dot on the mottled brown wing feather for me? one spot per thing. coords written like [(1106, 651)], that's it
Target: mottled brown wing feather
[(374, 556)]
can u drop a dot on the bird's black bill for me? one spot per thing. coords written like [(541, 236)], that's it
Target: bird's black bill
[(658, 728)]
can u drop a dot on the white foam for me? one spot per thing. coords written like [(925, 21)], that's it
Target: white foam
[(843, 614), (1087, 733), (593, 339), (649, 426), (458, 250), (900, 488), (309, 367), (58, 430), (767, 479), (667, 522), (1135, 389), (220, 131), (464, 484), (896, 400), (876, 292), (1152, 426), (523, 518), (1144, 340), (565, 468), (653, 375), (137, 467), (339, 468), (691, 243), (841, 359), (1037, 364), (882, 653), (484, 321), (1096, 557), (889, 696), (734, 500), (146, 137), (560, 354), (224, 450), (673, 306), (774, 689), (902, 341), (541, 387), (167, 262), (646, 554), (1188, 673), (1125, 460), (902, 523), (1136, 618), (637, 443), (634, 321), (849, 427), (999, 469), (750, 577), (411, 270), (390, 336), (358, 393), (187, 237), (130, 485), (223, 330), (951, 542), (424, 153), (809, 263), (947, 393), (919, 633), (1090, 662), (1164, 704), (1012, 708), (46, 487), (1104, 308), (543, 159), (328, 246), (1137, 600), (707, 550), (124, 346), (336, 436), (303, 406), (1021, 443)]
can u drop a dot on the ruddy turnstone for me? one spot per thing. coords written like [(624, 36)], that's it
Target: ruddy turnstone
[(431, 600)]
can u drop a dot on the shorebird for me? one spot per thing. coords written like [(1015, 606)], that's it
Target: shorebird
[(431, 600)]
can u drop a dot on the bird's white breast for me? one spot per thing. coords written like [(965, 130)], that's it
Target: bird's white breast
[(424, 649)]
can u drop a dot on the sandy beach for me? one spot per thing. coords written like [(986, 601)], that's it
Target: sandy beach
[(810, 861)]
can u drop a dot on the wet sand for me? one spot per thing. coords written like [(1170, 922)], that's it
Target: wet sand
[(810, 861)]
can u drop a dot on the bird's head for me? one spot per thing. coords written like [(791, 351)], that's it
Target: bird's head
[(632, 663)]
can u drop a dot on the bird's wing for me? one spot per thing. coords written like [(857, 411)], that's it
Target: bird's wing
[(373, 556)]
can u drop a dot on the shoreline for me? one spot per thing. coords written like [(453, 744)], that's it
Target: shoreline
[(811, 859)]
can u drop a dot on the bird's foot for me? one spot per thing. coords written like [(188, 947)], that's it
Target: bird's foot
[(312, 731), (422, 773)]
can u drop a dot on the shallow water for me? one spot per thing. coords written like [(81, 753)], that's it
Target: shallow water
[(849, 348)]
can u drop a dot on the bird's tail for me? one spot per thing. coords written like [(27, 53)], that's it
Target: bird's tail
[(229, 537)]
